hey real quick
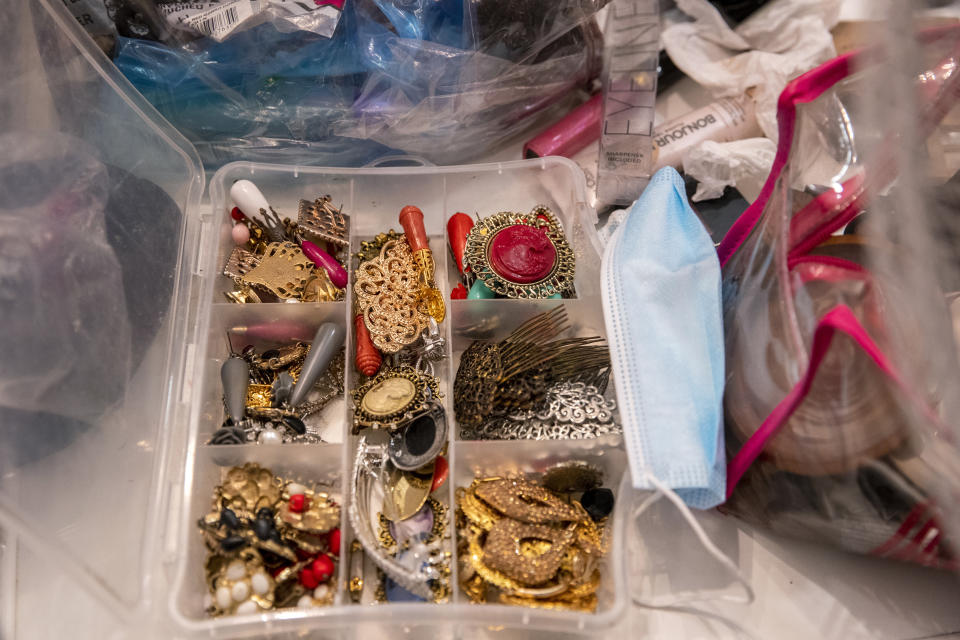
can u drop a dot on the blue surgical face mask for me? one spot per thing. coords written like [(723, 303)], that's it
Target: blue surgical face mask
[(661, 297)]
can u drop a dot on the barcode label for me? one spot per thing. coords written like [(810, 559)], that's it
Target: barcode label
[(219, 21)]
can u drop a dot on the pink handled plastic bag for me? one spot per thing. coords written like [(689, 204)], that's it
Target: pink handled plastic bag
[(841, 359)]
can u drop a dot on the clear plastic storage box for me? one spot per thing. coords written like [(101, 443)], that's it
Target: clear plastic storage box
[(373, 197), (110, 495), (109, 388)]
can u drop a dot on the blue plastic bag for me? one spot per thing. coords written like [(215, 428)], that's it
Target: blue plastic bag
[(426, 77)]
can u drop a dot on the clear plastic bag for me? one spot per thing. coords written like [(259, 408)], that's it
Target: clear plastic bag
[(841, 359), (89, 247), (445, 80), (53, 245)]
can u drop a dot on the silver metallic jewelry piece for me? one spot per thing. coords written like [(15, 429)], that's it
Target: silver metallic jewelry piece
[(570, 411), (577, 403), (263, 433), (427, 429), (433, 342), (422, 356), (423, 563)]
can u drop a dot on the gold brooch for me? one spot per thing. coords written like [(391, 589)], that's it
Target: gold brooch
[(283, 271), (248, 488), (518, 255), (526, 502), (388, 294), (239, 263), (392, 396), (320, 220), (311, 520)]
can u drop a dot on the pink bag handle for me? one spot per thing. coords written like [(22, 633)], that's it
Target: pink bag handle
[(814, 223), (804, 89), (841, 319), (909, 543), (830, 211)]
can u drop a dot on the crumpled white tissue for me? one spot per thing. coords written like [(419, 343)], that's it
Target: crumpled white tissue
[(779, 42), (717, 165), (776, 44)]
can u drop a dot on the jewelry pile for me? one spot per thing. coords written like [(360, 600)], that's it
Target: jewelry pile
[(397, 318), (534, 541), (272, 543), (535, 385), (278, 260), (427, 527), (268, 395), (409, 542)]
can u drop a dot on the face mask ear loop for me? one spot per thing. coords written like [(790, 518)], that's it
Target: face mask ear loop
[(722, 558)]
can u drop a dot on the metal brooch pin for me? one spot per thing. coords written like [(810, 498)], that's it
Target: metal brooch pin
[(387, 293), (544, 268), (321, 221), (392, 397), (568, 411)]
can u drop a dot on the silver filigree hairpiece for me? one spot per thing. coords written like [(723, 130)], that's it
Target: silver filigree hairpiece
[(569, 411)]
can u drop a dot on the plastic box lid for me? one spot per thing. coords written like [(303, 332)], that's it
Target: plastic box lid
[(94, 352)]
